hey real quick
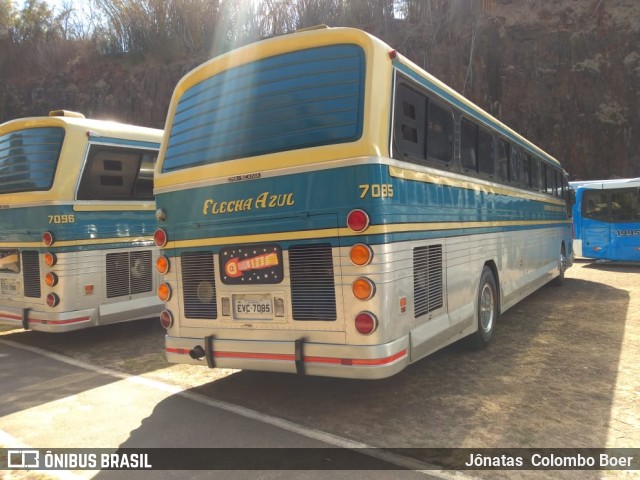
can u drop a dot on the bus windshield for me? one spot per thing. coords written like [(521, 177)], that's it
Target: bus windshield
[(295, 100), (28, 159)]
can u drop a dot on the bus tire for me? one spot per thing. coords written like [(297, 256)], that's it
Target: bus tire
[(487, 312), (562, 267)]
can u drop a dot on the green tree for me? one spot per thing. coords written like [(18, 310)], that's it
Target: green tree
[(36, 22)]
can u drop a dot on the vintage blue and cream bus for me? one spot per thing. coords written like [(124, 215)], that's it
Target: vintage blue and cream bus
[(606, 219), (76, 222), (327, 207)]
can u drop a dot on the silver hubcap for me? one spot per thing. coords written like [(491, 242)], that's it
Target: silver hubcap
[(486, 308)]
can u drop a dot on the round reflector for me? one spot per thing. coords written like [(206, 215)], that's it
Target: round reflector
[(358, 220), (166, 319), (160, 237), (363, 288), (162, 264), (164, 292), (360, 255), (50, 259), (51, 279), (53, 299), (47, 238), (366, 323)]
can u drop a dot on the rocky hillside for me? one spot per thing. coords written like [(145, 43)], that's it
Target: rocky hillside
[(565, 73)]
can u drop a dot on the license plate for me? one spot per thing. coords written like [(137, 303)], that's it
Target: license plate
[(8, 286), (252, 307)]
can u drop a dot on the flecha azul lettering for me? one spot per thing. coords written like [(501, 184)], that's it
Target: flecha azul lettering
[(262, 201)]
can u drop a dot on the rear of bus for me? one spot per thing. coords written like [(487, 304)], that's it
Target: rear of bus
[(271, 192), (607, 220), (76, 222)]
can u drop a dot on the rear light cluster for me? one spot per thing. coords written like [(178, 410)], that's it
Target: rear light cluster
[(163, 265), (363, 288), (50, 278)]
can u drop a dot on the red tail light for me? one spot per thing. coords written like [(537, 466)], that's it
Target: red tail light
[(47, 238), (53, 299), (358, 220), (160, 237), (366, 323), (166, 319)]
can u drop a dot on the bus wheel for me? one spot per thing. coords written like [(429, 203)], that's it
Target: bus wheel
[(562, 267), (487, 310)]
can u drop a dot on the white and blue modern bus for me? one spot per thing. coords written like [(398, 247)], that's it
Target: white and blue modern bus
[(606, 219)]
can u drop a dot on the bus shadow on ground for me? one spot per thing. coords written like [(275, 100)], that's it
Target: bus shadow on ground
[(547, 380)]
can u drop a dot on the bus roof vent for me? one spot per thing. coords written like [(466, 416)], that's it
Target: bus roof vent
[(65, 113), (315, 27)]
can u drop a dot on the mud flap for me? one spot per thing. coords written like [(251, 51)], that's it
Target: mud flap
[(208, 351), (25, 318), (299, 346)]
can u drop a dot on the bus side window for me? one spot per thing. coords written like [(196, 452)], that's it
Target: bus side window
[(469, 145), (516, 165), (439, 133), (535, 173), (485, 152), (503, 160), (112, 174), (410, 119)]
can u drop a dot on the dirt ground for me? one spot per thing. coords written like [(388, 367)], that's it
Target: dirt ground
[(563, 370)]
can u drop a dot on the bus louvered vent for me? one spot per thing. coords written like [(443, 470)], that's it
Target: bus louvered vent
[(199, 285), (128, 273), (427, 279), (31, 274), (313, 294)]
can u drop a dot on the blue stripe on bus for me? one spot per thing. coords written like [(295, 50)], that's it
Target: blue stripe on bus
[(283, 204), (290, 101), (26, 225)]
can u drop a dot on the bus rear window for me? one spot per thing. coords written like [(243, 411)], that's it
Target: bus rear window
[(28, 159), (296, 100)]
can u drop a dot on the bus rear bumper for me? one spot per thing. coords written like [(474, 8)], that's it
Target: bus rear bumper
[(47, 321), (308, 358)]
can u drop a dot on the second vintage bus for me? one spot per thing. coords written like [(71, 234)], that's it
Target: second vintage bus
[(327, 207), (76, 222)]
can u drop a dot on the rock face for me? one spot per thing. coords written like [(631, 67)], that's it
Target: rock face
[(564, 73)]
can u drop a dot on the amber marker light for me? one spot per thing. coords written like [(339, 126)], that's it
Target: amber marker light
[(164, 292), (47, 238), (51, 279), (162, 264), (50, 259), (363, 289), (361, 255)]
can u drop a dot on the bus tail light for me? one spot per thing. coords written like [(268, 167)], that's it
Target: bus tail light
[(50, 259), (361, 255), (363, 288), (366, 323), (164, 292), (166, 319), (358, 220), (53, 300), (162, 264), (160, 237), (47, 238), (51, 279)]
